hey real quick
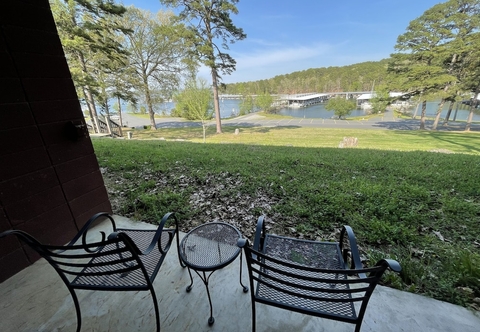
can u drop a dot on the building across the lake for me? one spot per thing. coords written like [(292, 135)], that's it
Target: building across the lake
[(305, 99), (363, 101)]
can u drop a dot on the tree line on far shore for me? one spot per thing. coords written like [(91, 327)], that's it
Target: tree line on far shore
[(356, 77)]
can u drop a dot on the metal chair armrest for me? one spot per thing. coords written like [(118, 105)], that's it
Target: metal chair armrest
[(158, 234), (156, 238), (356, 261), (25, 237), (259, 234), (391, 264), (83, 232)]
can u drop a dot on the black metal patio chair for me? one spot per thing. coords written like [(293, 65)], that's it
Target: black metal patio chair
[(311, 277), (126, 260)]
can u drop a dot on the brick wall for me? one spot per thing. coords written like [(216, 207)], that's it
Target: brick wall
[(49, 184)]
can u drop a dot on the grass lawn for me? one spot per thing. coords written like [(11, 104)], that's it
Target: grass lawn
[(419, 207), (401, 140)]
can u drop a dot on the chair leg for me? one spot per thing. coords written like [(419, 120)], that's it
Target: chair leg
[(77, 308), (358, 326), (245, 288), (178, 252), (155, 304)]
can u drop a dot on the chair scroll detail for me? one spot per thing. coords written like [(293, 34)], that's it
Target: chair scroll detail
[(311, 277), (125, 260)]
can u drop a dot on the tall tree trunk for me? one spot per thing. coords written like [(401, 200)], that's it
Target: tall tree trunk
[(439, 111), (437, 116), (216, 103), (120, 112), (148, 99), (88, 95), (456, 111), (473, 105), (204, 126), (449, 112), (424, 111), (470, 118), (90, 113), (91, 107), (107, 120), (107, 111), (414, 116)]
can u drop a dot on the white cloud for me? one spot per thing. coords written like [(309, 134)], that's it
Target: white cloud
[(278, 57), (265, 64), (263, 42)]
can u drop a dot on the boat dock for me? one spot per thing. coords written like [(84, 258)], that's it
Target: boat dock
[(305, 99)]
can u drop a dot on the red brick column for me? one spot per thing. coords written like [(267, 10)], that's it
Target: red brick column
[(50, 183)]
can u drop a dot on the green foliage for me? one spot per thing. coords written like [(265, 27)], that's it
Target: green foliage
[(246, 105), (195, 101), (381, 100), (467, 264), (158, 55), (132, 108), (436, 53), (152, 206), (340, 106), (264, 102), (211, 22)]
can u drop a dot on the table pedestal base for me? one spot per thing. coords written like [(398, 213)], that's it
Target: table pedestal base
[(203, 276)]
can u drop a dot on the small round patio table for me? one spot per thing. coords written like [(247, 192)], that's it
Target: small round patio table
[(210, 247)]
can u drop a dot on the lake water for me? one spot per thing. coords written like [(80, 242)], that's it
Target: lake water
[(231, 107), (319, 111)]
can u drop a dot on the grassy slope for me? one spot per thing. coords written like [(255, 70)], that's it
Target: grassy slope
[(402, 140), (419, 207)]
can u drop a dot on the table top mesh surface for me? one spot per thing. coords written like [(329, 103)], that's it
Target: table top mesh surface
[(210, 246)]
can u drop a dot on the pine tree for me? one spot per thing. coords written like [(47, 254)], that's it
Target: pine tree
[(210, 23)]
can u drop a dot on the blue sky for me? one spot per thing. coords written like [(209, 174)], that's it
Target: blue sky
[(286, 36)]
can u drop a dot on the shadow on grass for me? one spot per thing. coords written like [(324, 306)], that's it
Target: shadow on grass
[(454, 138), (194, 130), (414, 124), (257, 128)]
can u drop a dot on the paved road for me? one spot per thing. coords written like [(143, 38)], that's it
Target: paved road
[(384, 121)]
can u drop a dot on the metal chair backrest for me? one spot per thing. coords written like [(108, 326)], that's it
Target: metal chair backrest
[(328, 293)]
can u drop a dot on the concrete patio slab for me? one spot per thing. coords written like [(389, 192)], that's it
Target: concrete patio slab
[(37, 300)]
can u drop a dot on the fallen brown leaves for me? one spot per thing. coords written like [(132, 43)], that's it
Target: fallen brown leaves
[(214, 198)]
